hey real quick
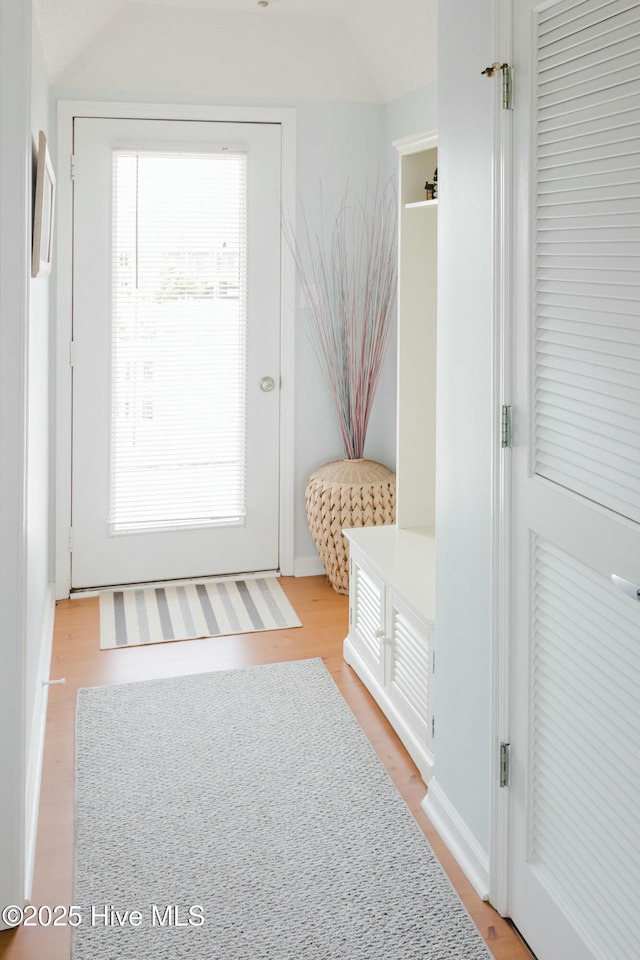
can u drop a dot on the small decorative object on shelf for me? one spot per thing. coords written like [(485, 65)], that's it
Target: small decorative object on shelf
[(435, 184), (430, 188)]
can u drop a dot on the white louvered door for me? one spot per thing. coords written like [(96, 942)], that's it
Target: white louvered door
[(176, 321), (575, 773)]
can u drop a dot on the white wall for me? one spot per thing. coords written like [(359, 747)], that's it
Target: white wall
[(336, 142), (17, 681), (415, 112), (465, 415), (39, 527), (26, 596), (38, 420)]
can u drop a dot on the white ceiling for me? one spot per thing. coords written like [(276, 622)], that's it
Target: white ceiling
[(393, 40)]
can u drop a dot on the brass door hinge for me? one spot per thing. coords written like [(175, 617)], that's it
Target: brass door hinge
[(505, 764), (507, 81)]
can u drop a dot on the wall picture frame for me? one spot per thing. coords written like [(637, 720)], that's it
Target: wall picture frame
[(43, 211)]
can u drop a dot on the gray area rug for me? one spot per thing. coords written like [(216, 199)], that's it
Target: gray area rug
[(253, 795)]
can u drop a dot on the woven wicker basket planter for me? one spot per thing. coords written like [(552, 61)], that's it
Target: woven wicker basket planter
[(347, 493)]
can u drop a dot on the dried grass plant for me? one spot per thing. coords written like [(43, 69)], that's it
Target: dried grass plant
[(348, 273)]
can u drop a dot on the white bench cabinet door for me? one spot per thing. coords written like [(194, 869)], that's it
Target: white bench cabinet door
[(410, 669), (367, 614)]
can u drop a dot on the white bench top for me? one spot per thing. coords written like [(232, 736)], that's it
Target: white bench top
[(404, 559)]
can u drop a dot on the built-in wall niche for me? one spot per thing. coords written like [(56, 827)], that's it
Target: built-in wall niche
[(417, 306), (418, 169), (392, 575)]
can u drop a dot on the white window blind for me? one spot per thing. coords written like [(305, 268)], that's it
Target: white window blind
[(587, 251), (179, 334)]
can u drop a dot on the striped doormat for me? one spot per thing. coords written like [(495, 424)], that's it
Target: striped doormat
[(132, 617)]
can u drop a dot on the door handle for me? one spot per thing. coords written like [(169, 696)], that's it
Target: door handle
[(267, 384), (627, 586)]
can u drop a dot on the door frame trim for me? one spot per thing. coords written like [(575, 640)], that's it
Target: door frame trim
[(67, 111), (501, 468)]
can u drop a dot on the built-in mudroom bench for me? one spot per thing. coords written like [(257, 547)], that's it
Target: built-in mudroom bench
[(392, 568), (391, 629)]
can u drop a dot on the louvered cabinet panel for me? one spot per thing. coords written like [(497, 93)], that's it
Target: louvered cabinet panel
[(410, 669), (367, 616), (586, 390), (391, 648), (585, 742)]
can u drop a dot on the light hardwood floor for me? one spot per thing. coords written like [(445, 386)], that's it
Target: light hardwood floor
[(77, 657)]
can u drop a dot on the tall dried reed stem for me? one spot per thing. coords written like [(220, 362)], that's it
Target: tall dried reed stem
[(348, 273)]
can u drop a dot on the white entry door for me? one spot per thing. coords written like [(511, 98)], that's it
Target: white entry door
[(176, 318), (575, 772)]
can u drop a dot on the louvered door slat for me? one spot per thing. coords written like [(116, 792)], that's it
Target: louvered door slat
[(587, 299), (572, 262), (616, 305), (579, 174), (592, 387), (570, 17), (610, 435), (619, 148), (411, 670), (566, 872), (561, 758), (591, 688), (619, 493), (587, 133), (588, 92), (410, 675), (582, 366), (582, 446), (368, 615), (585, 655), (578, 638), (588, 182), (568, 273), (574, 427), (589, 206), (563, 77), (597, 350), (563, 762), (558, 453), (591, 323), (602, 409), (583, 40)]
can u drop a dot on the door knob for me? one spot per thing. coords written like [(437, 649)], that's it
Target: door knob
[(267, 384), (627, 586)]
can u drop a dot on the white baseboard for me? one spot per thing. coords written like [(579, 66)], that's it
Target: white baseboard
[(458, 838), (36, 747), (308, 567)]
